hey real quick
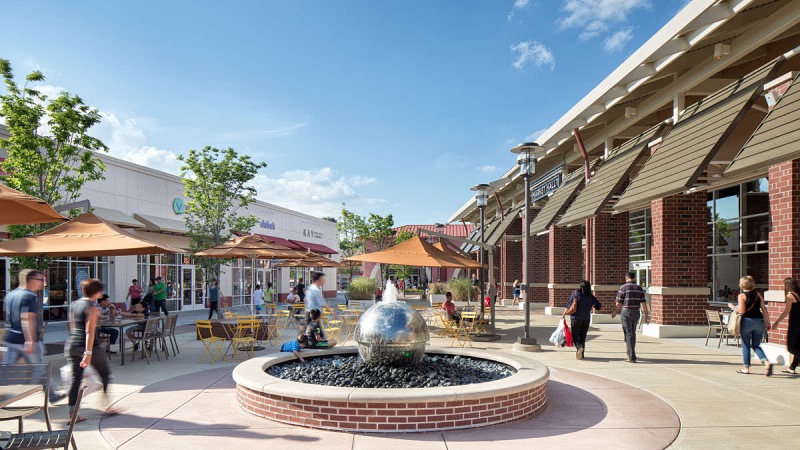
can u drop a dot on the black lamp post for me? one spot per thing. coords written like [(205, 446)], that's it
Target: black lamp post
[(481, 195), (526, 159)]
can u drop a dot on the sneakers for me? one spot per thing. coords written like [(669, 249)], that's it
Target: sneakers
[(579, 354)]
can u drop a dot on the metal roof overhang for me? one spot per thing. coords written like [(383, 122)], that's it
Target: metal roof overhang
[(694, 141), (609, 178), (558, 202), (497, 234), (777, 138), (489, 228), (161, 224), (116, 217)]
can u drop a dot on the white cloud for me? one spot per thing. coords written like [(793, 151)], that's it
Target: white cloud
[(595, 18), (488, 169), (126, 140), (617, 41), (318, 192), (528, 53), (518, 5), (265, 133)]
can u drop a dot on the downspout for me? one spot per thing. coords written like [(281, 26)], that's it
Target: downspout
[(500, 206), (577, 134), (589, 228)]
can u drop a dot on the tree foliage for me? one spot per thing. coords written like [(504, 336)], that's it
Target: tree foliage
[(349, 226), (402, 272), (217, 188), (51, 154)]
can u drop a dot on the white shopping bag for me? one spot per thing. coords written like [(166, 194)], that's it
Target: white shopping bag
[(90, 377), (558, 338)]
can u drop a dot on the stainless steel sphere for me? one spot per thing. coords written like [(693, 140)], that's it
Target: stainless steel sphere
[(392, 334)]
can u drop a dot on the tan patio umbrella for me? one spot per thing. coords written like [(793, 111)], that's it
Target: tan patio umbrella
[(311, 259), (471, 264), (414, 252), (22, 209), (251, 246), (85, 235)]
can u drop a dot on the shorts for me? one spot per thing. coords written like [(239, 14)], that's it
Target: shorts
[(321, 344)]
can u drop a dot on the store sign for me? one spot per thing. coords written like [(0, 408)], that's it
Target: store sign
[(178, 206), (312, 234), (267, 225), (546, 186), (81, 273)]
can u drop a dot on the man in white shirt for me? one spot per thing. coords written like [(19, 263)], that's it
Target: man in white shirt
[(258, 299), (314, 297)]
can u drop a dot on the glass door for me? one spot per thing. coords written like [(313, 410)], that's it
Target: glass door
[(188, 291)]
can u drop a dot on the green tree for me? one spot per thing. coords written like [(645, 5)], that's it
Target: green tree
[(217, 188), (349, 226), (377, 233), (51, 154), (329, 219)]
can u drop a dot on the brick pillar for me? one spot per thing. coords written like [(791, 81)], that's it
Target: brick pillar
[(511, 257), (679, 291), (565, 263), (540, 269), (784, 238), (607, 255)]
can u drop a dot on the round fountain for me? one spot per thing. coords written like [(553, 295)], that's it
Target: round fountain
[(391, 382)]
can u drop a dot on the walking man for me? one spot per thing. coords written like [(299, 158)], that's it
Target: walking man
[(315, 299), (160, 296), (630, 300), (213, 299)]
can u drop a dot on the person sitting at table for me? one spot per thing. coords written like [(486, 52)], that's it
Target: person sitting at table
[(295, 346), (315, 334), (449, 308), (138, 311), (108, 312)]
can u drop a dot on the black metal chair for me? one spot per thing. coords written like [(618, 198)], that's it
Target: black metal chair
[(26, 374), (45, 440)]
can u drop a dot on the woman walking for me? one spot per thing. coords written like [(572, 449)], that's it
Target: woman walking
[(579, 308), (516, 293), (792, 310), (752, 308), (81, 348)]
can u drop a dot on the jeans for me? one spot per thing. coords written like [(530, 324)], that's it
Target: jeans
[(752, 332), (213, 306), (99, 363), (630, 320), (160, 305), (579, 329), (113, 334)]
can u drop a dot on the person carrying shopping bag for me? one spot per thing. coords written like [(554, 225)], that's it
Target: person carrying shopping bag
[(579, 308)]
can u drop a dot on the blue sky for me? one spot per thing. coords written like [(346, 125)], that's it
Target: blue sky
[(392, 107)]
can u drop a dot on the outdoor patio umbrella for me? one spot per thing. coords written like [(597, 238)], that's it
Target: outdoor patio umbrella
[(251, 246), (415, 252), (469, 263), (311, 259), (22, 209), (85, 235)]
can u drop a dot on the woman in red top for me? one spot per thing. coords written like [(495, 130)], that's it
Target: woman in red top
[(450, 308)]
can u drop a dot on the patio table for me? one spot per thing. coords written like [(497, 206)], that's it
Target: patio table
[(16, 392), (121, 324)]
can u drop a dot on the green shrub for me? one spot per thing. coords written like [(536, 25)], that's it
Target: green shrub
[(438, 288), (462, 290), (362, 288)]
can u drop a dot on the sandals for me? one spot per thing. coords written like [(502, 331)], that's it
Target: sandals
[(768, 372), (743, 372), (80, 419), (789, 371)]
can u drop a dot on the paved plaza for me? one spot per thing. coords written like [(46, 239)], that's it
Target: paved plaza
[(680, 395)]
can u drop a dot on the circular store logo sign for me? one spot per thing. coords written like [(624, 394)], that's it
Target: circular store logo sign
[(178, 206)]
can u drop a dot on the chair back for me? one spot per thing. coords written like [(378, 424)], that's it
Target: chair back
[(25, 374), (74, 414), (713, 317), (283, 313), (341, 307), (172, 321), (247, 328), (204, 329), (151, 328), (468, 315)]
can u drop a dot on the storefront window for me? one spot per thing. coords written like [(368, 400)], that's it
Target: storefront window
[(738, 236), (177, 273), (640, 244)]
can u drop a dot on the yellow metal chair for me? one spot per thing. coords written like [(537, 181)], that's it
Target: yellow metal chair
[(341, 307), (465, 328), (448, 325), (282, 319), (213, 344), (333, 327), (245, 337)]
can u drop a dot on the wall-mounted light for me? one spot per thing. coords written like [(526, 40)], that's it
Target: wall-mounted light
[(721, 50), (630, 111)]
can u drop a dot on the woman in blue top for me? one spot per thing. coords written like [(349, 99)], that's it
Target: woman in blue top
[(579, 308)]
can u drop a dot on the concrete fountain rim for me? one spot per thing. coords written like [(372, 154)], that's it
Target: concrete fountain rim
[(251, 374)]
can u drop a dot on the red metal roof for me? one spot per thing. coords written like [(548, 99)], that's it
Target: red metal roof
[(281, 241), (452, 229), (316, 248)]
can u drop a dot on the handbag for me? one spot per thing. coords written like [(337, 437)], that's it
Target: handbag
[(735, 321), (567, 335)]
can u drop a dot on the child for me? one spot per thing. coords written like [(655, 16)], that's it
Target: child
[(295, 346)]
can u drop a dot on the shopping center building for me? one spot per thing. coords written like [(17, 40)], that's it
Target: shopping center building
[(150, 204), (683, 165)]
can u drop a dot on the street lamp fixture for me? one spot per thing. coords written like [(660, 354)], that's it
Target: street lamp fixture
[(527, 155), (481, 196)]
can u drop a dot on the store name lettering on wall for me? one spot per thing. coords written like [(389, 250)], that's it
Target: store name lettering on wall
[(311, 234), (267, 225), (546, 187)]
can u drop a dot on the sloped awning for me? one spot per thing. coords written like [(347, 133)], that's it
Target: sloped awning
[(610, 178), (488, 229), (161, 224), (692, 144), (181, 242), (116, 217), (316, 248), (474, 235), (776, 139), (511, 215), (558, 202)]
